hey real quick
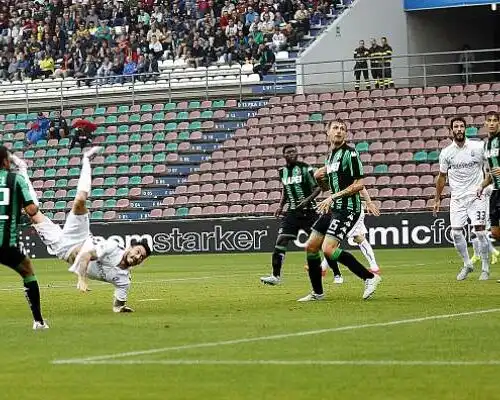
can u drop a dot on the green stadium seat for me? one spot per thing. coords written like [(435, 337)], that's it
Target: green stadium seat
[(195, 126), (159, 137), (11, 118), (123, 109), (75, 151), (75, 171), (50, 173), (60, 205), (111, 120), (182, 212), (110, 181), (147, 148), (433, 156), (183, 136), (134, 180), (40, 162), (51, 153), (111, 159), (218, 104), (32, 116), (20, 126), (172, 147), (101, 130), (98, 171), (110, 203), (170, 106), (71, 193), (110, 139), (29, 154), (471, 131), (381, 169), (420, 156), (316, 117), (159, 117), (123, 129), (147, 169), (147, 128), (135, 137), (99, 111), (207, 114), (134, 118), (171, 126), (77, 112), (18, 145), (122, 192), (183, 115), (146, 108), (194, 105), (123, 149), (21, 117), (48, 194), (123, 169), (62, 162), (362, 147), (62, 183), (159, 158), (49, 214), (97, 192), (97, 215), (134, 159)]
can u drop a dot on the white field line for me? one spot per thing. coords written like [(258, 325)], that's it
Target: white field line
[(445, 363), (271, 337), (143, 300)]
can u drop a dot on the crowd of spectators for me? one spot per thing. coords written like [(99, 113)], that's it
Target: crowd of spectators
[(47, 128), (109, 41)]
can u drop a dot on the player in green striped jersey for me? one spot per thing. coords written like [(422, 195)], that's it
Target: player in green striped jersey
[(14, 197), (299, 192), (341, 214)]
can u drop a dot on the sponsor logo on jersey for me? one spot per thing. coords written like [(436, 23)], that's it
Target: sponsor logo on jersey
[(333, 167), (292, 180)]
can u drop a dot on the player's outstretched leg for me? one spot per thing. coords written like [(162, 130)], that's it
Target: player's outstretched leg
[(461, 246), (313, 249), (337, 275), (367, 250), (84, 182)]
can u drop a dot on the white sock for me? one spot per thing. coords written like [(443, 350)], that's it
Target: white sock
[(31, 189), (84, 183), (461, 246), (367, 251), (475, 246), (484, 250)]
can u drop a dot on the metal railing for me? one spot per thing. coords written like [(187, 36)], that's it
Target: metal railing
[(410, 70)]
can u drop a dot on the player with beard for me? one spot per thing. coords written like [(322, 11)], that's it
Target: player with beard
[(89, 258), (462, 161)]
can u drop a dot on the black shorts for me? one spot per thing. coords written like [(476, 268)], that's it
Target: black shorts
[(338, 223), (294, 221), (495, 208), (11, 257)]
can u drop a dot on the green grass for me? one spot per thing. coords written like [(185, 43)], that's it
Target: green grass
[(212, 298)]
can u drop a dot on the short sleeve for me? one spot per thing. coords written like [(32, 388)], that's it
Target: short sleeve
[(355, 165)]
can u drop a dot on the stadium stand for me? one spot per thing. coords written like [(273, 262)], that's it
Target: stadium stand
[(196, 158)]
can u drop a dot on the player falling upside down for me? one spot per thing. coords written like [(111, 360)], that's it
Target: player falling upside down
[(89, 258), (340, 215), (462, 161)]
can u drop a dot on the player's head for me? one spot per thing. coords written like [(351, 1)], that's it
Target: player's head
[(361, 43), (491, 123), (457, 128), (4, 158), (290, 154), (337, 133), (383, 40), (137, 252)]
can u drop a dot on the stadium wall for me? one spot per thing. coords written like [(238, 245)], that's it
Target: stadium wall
[(239, 235), (365, 19)]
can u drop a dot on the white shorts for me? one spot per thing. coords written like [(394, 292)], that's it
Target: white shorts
[(470, 207), (60, 242), (359, 228)]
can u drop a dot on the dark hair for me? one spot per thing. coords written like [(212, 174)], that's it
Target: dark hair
[(4, 154), (144, 243), (288, 146), (339, 121), (492, 114), (455, 119)]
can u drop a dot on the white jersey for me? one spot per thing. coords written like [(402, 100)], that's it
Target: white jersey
[(464, 166)]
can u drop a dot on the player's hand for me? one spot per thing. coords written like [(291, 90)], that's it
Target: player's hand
[(495, 171), (372, 209), (278, 212), (435, 208), (324, 206), (479, 192)]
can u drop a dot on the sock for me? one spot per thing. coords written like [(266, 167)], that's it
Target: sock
[(314, 263), (85, 177), (475, 246), (367, 250), (354, 265), (32, 292), (277, 259), (334, 266), (461, 246), (484, 250)]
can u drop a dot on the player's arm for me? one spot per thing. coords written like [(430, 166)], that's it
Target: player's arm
[(320, 176), (487, 181), (316, 191), (282, 203), (83, 261), (440, 182), (370, 205)]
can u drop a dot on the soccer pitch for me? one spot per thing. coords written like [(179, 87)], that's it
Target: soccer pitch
[(206, 328)]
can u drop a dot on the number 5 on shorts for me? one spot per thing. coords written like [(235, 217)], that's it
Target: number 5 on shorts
[(4, 201)]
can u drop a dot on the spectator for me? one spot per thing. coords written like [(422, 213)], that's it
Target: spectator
[(58, 128), (129, 70), (86, 72), (279, 41), (250, 16), (47, 65), (266, 61), (198, 55), (104, 71), (155, 47)]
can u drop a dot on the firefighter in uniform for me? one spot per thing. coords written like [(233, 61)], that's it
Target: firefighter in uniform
[(376, 64), (386, 54), (361, 55)]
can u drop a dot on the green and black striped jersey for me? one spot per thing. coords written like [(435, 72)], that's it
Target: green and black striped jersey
[(343, 167), (14, 196), (299, 183), (492, 154)]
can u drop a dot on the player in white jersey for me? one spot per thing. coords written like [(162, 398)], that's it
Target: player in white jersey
[(89, 258), (462, 161)]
